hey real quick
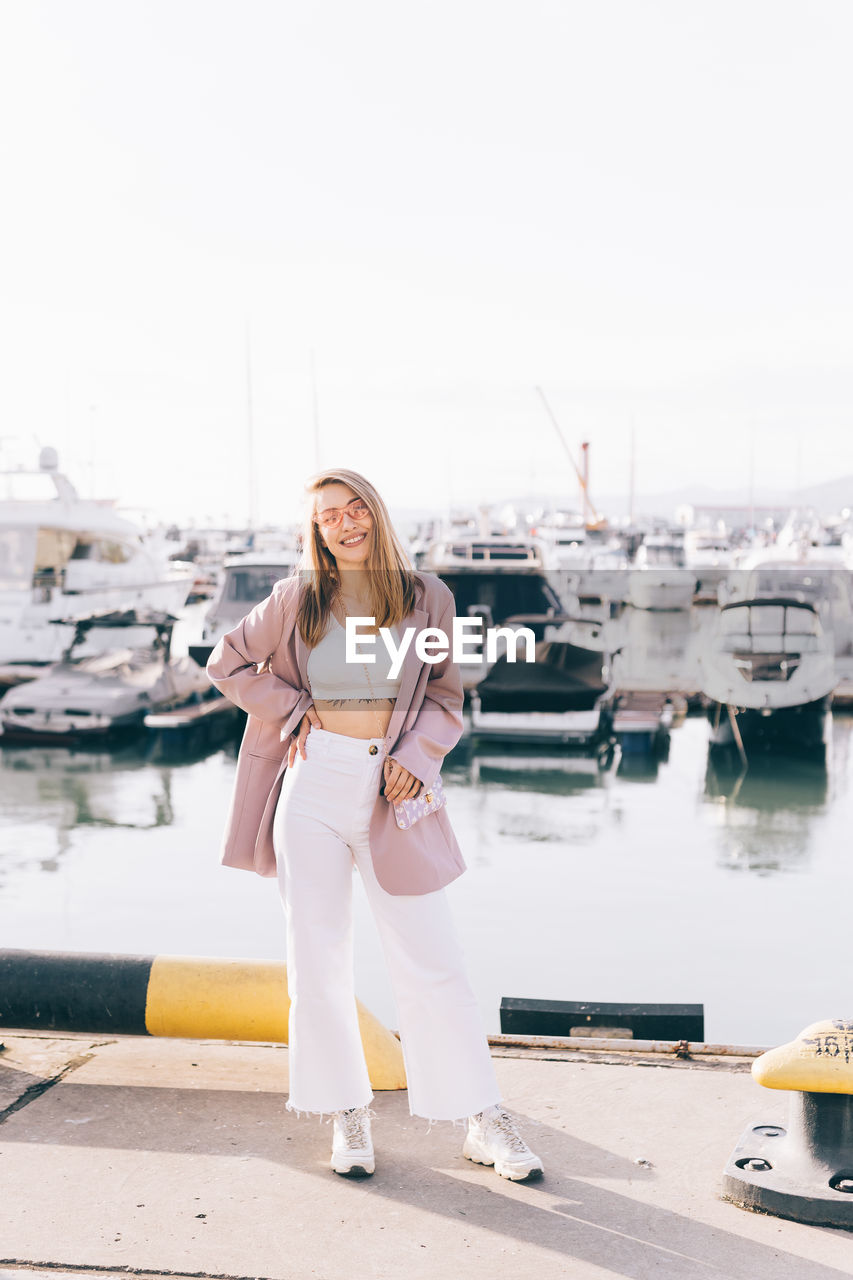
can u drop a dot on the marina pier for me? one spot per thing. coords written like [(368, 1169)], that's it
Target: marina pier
[(150, 1156)]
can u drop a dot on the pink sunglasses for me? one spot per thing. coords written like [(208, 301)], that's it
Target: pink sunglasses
[(332, 516)]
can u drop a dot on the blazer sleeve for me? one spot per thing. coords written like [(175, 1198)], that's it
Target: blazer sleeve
[(233, 666), (438, 725)]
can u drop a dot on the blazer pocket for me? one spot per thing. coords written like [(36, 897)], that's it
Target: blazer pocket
[(255, 784), (265, 742)]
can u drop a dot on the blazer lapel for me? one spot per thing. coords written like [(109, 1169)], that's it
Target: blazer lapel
[(301, 658), (411, 669)]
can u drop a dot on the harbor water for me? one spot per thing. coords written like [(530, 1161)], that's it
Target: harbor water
[(653, 880)]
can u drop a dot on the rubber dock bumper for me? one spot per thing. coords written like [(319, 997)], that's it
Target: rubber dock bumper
[(190, 997)]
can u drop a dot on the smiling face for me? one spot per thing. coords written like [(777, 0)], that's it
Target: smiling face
[(349, 541)]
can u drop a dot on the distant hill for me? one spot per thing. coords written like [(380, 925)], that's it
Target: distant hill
[(827, 498)]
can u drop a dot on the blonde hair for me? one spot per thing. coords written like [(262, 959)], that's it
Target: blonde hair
[(391, 581)]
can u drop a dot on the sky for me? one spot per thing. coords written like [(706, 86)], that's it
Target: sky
[(373, 230)]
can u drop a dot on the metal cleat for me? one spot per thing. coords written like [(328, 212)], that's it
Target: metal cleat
[(803, 1170)]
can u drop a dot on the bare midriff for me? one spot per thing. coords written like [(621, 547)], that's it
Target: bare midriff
[(356, 717)]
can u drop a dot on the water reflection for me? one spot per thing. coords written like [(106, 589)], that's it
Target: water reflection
[(48, 791), (530, 769), (766, 812), (642, 766)]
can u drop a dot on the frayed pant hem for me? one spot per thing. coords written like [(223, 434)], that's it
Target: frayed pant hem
[(459, 1122), (299, 1112)]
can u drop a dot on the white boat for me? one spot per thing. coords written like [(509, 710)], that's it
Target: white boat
[(99, 695), (659, 577), (817, 575), (710, 557), (655, 652), (245, 581), (65, 556), (605, 576), (768, 671), (586, 565), (565, 533)]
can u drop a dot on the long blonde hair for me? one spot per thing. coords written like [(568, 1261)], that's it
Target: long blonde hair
[(392, 584)]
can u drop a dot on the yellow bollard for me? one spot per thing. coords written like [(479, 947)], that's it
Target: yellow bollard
[(205, 997), (802, 1169), (820, 1060)]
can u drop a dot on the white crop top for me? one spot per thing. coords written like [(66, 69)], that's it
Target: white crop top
[(331, 677)]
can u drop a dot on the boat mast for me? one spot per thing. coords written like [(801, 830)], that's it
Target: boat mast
[(752, 481), (315, 408), (250, 435)]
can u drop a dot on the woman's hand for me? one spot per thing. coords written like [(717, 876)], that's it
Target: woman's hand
[(298, 744), (399, 783)]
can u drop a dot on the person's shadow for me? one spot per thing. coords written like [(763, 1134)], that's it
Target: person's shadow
[(421, 1167)]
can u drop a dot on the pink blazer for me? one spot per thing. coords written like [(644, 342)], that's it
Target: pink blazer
[(261, 665)]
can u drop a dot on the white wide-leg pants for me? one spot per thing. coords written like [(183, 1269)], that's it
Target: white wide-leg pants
[(320, 831)]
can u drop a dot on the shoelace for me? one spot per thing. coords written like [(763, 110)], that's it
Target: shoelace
[(505, 1125), (354, 1128)]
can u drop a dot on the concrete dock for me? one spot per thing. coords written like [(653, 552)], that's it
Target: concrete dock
[(154, 1156)]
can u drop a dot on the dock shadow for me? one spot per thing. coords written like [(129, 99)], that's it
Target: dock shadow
[(575, 1220)]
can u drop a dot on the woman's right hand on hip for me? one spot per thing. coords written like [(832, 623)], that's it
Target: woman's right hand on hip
[(298, 743)]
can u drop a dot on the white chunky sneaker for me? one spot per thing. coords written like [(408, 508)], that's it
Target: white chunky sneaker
[(352, 1147), (493, 1138)]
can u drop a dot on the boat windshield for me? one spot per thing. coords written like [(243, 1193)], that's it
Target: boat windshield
[(664, 555), (33, 557), (770, 628), (247, 584)]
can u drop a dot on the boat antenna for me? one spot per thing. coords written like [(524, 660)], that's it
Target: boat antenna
[(250, 431), (588, 508), (752, 480)]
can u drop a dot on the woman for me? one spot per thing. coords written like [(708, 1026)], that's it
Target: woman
[(330, 748)]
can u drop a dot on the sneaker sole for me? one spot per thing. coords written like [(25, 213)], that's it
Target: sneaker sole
[(515, 1173)]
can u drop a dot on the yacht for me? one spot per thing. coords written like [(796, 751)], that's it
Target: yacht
[(65, 556), (593, 567), (816, 575), (246, 580), (767, 672), (710, 557), (108, 691), (660, 577)]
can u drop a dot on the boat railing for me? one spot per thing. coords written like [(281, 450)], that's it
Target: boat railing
[(513, 552)]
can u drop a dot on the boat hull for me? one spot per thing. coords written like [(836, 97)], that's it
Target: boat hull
[(661, 589), (803, 727)]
